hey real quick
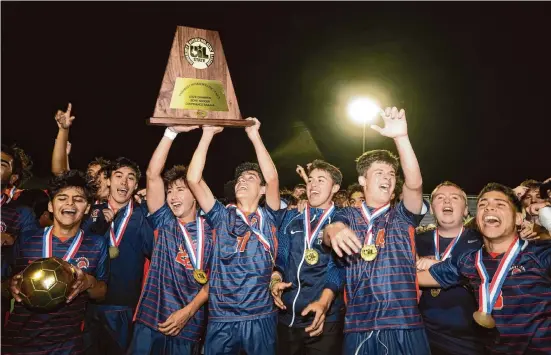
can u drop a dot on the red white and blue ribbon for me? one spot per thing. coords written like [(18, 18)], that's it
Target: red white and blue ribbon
[(47, 244), (489, 291), (370, 219), (115, 237), (195, 254), (450, 247), (6, 198), (257, 232), (310, 234)]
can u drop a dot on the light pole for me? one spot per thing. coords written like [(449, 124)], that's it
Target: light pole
[(362, 110)]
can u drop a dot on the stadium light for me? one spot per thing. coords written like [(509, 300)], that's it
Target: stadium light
[(363, 110)]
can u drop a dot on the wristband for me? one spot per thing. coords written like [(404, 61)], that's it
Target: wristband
[(170, 134)]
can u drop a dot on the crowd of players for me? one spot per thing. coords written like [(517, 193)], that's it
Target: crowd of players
[(170, 269)]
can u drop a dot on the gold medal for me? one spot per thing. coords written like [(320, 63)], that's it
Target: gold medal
[(484, 319), (311, 257), (434, 292), (200, 276), (369, 252), (113, 252)]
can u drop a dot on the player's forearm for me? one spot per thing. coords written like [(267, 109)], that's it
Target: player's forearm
[(413, 181), (200, 299), (425, 279), (197, 164), (59, 154), (265, 162), (97, 289), (158, 159), (327, 297)]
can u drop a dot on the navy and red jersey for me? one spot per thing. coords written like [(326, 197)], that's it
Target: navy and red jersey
[(308, 281), (170, 285), (28, 332), (15, 220), (241, 267), (523, 309), (95, 222), (126, 276), (382, 294), (448, 313)]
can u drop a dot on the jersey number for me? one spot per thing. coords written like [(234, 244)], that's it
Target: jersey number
[(242, 242)]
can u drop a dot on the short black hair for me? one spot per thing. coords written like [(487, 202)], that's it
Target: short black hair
[(299, 186), (123, 162), (248, 166), (101, 161), (333, 171), (507, 191), (71, 178), (177, 172), (364, 162), (22, 163)]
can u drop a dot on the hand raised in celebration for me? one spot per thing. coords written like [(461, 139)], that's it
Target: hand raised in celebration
[(395, 123), (343, 239), (319, 309), (212, 130), (182, 128), (176, 322), (277, 291), (252, 130), (64, 119)]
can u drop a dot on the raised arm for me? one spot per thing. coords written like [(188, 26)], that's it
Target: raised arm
[(396, 128), (266, 165), (200, 190), (60, 157), (155, 187)]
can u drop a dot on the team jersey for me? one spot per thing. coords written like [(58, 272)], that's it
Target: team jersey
[(28, 332), (523, 308), (170, 285), (95, 222), (308, 281), (242, 265), (126, 276), (382, 294), (14, 221), (447, 314)]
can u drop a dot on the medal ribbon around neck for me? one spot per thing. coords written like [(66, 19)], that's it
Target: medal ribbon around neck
[(370, 219), (195, 254), (310, 234), (489, 291), (115, 238), (47, 244), (6, 198), (258, 232), (450, 247)]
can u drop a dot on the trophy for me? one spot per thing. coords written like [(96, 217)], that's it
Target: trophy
[(197, 87)]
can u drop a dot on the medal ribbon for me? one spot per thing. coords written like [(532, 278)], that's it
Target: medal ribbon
[(115, 238), (47, 244), (6, 198), (370, 219), (450, 247), (309, 234), (195, 255), (489, 291), (258, 232)]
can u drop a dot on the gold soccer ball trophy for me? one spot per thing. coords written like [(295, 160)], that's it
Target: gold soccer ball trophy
[(46, 284)]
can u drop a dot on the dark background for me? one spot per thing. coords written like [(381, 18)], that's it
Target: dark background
[(473, 78)]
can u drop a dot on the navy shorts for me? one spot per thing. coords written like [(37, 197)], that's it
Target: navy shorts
[(253, 337), (387, 342), (147, 341), (107, 329)]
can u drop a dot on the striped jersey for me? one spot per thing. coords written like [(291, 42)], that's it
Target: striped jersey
[(28, 332), (523, 308), (241, 266), (447, 313), (170, 285), (382, 294), (308, 281)]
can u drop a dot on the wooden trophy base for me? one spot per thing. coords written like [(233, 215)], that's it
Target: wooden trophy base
[(169, 121)]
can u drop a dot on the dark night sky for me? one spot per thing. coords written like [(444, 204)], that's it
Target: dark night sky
[(473, 78)]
